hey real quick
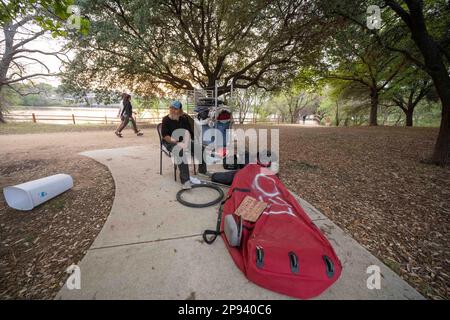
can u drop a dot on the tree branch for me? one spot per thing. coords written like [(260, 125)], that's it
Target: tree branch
[(6, 82), (400, 11), (55, 54), (381, 42), (30, 58), (25, 41), (23, 94)]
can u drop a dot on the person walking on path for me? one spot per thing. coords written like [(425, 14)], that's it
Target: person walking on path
[(126, 115)]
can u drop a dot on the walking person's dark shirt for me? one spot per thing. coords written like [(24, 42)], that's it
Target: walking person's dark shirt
[(127, 109)]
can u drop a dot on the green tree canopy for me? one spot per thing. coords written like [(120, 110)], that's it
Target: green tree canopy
[(146, 45)]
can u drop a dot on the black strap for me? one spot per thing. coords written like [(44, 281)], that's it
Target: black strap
[(215, 233)]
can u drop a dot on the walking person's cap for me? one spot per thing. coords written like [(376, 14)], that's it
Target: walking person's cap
[(176, 104)]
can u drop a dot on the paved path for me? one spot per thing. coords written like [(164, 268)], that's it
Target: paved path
[(151, 246)]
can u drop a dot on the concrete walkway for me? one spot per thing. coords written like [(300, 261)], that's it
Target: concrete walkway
[(151, 246)]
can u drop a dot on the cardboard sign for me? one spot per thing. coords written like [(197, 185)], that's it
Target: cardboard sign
[(250, 209)]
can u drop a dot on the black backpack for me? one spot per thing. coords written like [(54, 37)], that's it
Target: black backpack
[(224, 177)]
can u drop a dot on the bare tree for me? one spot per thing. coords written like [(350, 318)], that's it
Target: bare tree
[(19, 63)]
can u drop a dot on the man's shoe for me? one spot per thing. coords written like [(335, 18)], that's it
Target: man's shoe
[(202, 169), (187, 185)]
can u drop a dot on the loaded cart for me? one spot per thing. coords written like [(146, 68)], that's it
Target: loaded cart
[(211, 113)]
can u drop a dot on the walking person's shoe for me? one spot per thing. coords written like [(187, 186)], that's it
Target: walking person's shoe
[(118, 134), (187, 185), (139, 133)]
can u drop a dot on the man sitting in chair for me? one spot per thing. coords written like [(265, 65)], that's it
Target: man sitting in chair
[(177, 119)]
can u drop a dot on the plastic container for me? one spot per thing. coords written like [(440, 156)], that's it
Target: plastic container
[(30, 194)]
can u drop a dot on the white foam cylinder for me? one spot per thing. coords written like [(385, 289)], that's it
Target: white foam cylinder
[(30, 194)]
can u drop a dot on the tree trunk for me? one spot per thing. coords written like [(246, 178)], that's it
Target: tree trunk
[(5, 63), (409, 117), (2, 119), (441, 80), (441, 152), (291, 114), (435, 67), (373, 107), (337, 114)]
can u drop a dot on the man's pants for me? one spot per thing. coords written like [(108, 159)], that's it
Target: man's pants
[(181, 159), (124, 123)]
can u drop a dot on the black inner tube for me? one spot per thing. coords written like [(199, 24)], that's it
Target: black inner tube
[(201, 205)]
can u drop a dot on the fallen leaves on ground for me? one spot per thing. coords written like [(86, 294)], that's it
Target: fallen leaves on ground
[(373, 184), (37, 246)]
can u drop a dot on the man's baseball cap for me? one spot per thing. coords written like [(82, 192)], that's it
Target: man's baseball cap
[(176, 104)]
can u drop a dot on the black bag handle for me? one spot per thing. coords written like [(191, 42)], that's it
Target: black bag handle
[(329, 266), (214, 233), (259, 257), (293, 259)]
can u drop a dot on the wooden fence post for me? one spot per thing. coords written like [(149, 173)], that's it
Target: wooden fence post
[(73, 118), (34, 117)]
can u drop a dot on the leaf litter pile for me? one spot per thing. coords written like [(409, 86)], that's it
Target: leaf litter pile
[(374, 184), (37, 246)]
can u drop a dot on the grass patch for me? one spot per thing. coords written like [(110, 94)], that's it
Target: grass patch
[(303, 165), (58, 204), (29, 238), (29, 127), (393, 265)]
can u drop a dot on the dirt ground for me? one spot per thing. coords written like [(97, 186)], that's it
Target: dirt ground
[(37, 246), (369, 181)]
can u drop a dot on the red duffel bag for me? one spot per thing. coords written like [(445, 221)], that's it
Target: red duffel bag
[(283, 251)]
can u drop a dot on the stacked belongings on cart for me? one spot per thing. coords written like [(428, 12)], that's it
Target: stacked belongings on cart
[(270, 237), (209, 116)]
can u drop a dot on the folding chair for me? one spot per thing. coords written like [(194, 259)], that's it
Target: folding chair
[(163, 149)]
